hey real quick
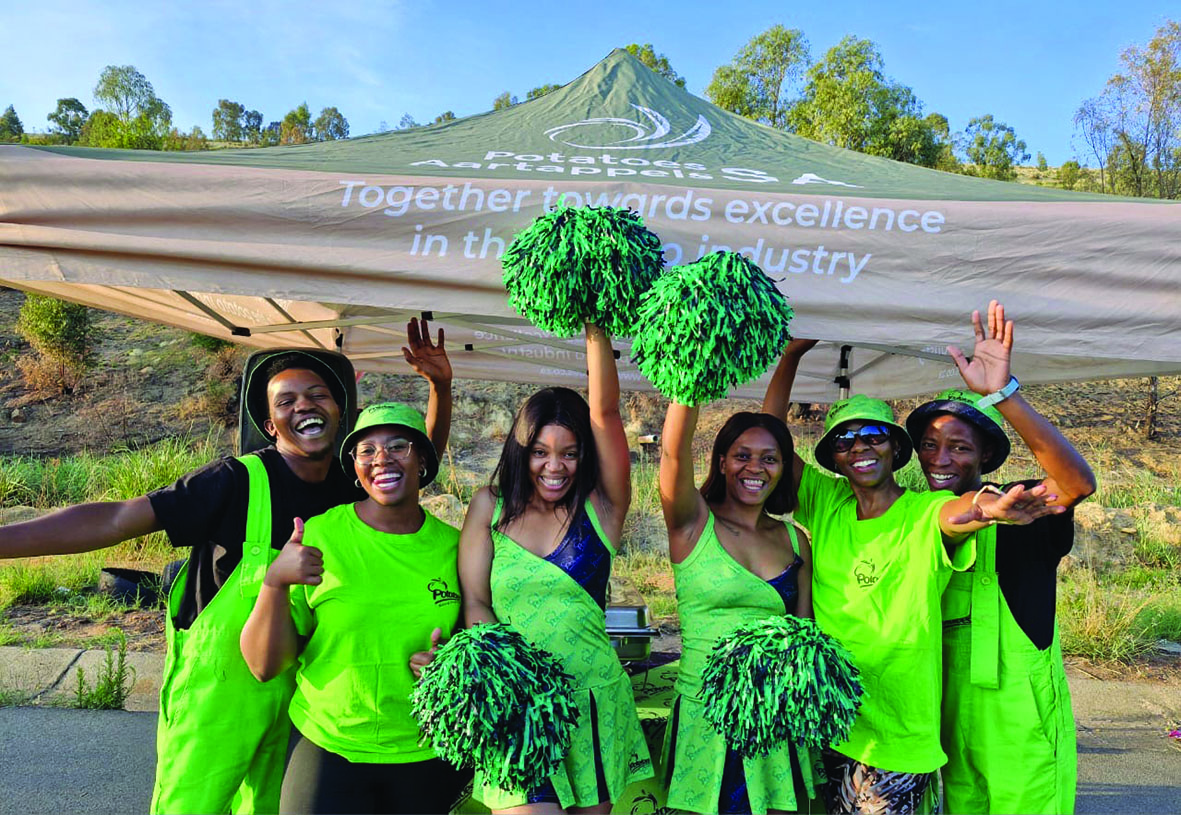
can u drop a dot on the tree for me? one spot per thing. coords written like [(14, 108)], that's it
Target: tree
[(228, 120), (657, 62), (330, 125), (1134, 126), (142, 120), (1147, 97), (67, 119), (758, 83), (252, 126), (849, 102), (1091, 122), (269, 135), (540, 91), (407, 122), (504, 101), (195, 139), (445, 116), (941, 130), (994, 148), (1068, 174), (1042, 166), (296, 127), (11, 128)]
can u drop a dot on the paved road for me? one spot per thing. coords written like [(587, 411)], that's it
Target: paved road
[(55, 760), (58, 761)]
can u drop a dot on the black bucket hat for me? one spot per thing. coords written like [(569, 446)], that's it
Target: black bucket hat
[(964, 405), (328, 365)]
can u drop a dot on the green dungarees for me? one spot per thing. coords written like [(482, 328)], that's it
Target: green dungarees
[(222, 735), (1007, 726)]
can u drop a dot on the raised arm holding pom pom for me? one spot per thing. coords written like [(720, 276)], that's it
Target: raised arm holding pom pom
[(535, 553), (734, 564)]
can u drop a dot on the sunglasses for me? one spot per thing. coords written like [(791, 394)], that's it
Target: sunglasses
[(872, 434)]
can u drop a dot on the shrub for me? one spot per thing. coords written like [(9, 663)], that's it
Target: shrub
[(60, 334)]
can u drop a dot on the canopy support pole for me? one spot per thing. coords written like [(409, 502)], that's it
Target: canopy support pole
[(842, 378)]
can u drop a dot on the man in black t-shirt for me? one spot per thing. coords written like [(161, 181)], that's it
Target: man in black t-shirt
[(296, 400), (1007, 726)]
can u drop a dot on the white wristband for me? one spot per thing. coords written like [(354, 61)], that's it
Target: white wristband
[(1001, 395)]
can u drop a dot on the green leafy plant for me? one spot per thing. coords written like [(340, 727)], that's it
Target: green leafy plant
[(61, 335), (113, 684)]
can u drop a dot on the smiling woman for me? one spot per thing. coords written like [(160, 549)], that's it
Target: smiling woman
[(329, 598), (733, 564), (535, 553)]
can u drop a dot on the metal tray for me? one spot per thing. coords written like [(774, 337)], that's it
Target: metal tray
[(630, 632)]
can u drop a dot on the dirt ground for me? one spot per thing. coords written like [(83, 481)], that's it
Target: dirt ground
[(63, 628)]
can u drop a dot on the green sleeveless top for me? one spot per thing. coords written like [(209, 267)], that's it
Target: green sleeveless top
[(552, 610), (715, 595)]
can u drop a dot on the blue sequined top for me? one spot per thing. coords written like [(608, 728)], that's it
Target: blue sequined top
[(788, 584), (585, 557)]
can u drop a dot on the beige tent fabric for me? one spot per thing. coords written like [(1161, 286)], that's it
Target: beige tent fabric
[(280, 257)]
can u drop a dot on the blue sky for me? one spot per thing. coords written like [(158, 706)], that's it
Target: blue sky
[(1029, 64)]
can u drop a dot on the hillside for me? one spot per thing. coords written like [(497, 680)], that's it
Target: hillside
[(151, 382)]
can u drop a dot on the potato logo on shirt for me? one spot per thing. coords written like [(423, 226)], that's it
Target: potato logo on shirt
[(440, 593), (866, 573)]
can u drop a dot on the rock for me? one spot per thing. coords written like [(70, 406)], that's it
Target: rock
[(16, 515), (1099, 539), (18, 416), (446, 507), (497, 423)]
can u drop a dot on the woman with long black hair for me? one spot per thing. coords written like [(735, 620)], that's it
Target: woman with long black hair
[(535, 553)]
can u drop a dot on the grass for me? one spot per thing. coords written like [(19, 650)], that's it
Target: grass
[(47, 483), (1106, 614), (52, 580), (651, 574), (1120, 617)]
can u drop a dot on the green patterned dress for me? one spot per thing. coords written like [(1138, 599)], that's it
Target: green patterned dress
[(557, 612), (715, 595)]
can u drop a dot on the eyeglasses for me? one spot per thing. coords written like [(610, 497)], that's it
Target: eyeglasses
[(872, 434), (398, 449)]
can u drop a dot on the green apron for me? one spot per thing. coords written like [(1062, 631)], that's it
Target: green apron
[(222, 736), (1007, 726)]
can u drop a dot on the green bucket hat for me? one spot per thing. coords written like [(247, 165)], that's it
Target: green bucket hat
[(861, 408), (404, 417), (965, 405)]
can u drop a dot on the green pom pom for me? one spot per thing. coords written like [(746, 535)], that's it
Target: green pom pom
[(706, 327), (574, 266), (492, 701), (780, 680)]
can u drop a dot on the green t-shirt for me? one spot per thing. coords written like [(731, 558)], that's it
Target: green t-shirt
[(876, 585), (381, 597)]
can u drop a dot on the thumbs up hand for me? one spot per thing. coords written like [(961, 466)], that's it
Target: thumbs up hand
[(421, 659), (296, 564)]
